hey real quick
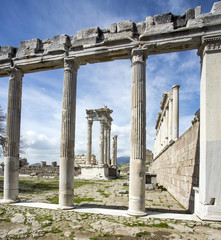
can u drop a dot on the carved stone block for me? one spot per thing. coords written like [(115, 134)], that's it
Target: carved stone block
[(125, 26), (6, 52), (28, 48)]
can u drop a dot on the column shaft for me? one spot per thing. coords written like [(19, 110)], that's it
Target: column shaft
[(209, 205), (101, 153), (175, 111), (66, 183), (89, 141), (108, 147), (138, 135), (105, 144), (11, 164), (170, 120)]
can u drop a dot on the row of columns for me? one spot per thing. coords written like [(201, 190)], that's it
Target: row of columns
[(104, 146), (210, 137), (167, 126)]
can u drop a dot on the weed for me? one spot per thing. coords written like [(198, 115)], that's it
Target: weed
[(93, 238), (140, 234), (53, 200), (56, 230), (103, 193)]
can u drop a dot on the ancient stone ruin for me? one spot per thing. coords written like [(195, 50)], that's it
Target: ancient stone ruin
[(163, 33)]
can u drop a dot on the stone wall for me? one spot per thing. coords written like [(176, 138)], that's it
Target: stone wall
[(177, 167)]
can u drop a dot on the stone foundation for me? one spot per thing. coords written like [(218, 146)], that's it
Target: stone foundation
[(177, 167)]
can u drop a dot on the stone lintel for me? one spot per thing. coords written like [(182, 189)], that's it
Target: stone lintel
[(162, 34)]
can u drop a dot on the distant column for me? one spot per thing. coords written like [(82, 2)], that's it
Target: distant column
[(66, 182), (105, 144), (138, 134), (108, 146), (101, 153), (170, 120), (175, 111), (11, 168), (114, 151), (89, 141)]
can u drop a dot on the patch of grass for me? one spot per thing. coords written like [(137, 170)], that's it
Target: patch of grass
[(42, 218), (104, 235), (53, 200), (5, 220), (93, 238), (140, 234), (78, 200), (56, 230), (79, 183), (161, 225), (103, 193), (30, 186), (150, 200)]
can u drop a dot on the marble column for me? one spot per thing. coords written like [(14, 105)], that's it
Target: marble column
[(11, 164), (209, 205), (105, 144), (89, 141), (175, 112), (138, 134), (108, 146), (167, 126), (114, 151), (170, 117), (101, 153), (66, 182)]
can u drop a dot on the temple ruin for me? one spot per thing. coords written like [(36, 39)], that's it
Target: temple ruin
[(163, 33)]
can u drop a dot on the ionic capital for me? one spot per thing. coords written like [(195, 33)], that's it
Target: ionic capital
[(71, 64), (138, 55), (210, 44)]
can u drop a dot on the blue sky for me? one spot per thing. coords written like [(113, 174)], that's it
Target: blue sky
[(98, 84)]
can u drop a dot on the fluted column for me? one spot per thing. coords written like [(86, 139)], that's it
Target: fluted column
[(170, 120), (11, 164), (108, 146), (101, 153), (66, 183), (114, 151), (138, 134), (105, 144), (176, 111), (89, 141)]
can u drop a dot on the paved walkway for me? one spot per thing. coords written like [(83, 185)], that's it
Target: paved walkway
[(110, 211)]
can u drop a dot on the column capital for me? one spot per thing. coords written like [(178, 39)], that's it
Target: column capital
[(90, 122), (176, 86), (210, 44), (71, 64), (138, 55), (15, 71)]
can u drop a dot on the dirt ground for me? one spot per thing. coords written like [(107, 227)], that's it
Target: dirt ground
[(18, 222)]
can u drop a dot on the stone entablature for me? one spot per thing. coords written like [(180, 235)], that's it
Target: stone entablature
[(159, 34), (167, 123)]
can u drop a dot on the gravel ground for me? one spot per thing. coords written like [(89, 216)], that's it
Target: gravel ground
[(18, 222)]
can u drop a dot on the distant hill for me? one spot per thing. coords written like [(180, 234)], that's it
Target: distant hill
[(35, 164), (123, 160)]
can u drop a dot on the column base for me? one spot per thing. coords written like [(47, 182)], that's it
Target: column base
[(208, 212), (9, 201), (137, 213), (66, 207)]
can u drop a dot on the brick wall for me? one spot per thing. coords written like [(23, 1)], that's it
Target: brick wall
[(177, 167)]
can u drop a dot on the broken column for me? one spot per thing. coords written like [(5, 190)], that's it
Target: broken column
[(175, 111), (209, 205), (11, 164), (114, 151), (138, 134), (66, 182), (89, 141)]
